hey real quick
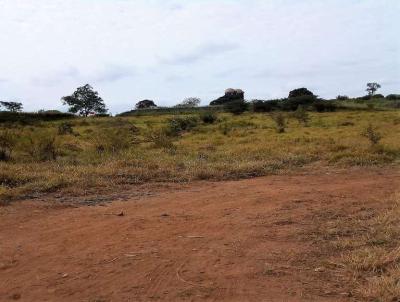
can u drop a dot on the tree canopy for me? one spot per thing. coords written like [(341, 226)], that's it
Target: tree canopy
[(12, 106), (85, 101), (300, 92), (372, 88), (145, 104), (189, 102)]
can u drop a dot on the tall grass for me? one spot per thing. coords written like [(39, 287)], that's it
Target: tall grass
[(105, 152)]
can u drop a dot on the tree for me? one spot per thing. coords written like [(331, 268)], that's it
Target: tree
[(300, 92), (145, 104), (85, 101), (189, 103), (372, 88), (12, 106)]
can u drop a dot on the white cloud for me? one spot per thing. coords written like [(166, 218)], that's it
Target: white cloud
[(167, 50)]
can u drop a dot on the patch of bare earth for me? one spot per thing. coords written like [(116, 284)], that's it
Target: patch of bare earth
[(262, 239)]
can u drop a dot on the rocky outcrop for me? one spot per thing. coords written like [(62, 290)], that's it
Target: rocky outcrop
[(229, 96)]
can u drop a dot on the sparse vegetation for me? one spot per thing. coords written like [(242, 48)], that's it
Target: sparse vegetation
[(301, 115), (372, 135), (280, 122), (208, 117), (45, 155)]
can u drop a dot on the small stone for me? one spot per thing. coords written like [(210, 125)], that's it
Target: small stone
[(319, 269)]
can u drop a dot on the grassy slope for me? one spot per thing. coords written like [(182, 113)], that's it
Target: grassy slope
[(233, 147)]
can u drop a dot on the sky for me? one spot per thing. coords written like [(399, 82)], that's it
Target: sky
[(167, 50)]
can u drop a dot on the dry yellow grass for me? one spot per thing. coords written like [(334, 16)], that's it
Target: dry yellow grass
[(106, 152)]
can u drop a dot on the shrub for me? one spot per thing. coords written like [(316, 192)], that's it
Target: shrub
[(65, 128), (342, 97), (178, 124), (161, 139), (112, 141), (7, 144), (299, 92), (265, 106), (208, 117), (236, 107), (324, 106), (393, 97), (42, 146), (371, 106), (301, 115), (364, 98), (280, 122), (378, 96), (291, 104), (372, 135)]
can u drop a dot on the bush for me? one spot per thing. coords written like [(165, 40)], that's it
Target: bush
[(301, 115), (342, 97), (373, 136), (65, 128), (280, 122), (208, 117), (364, 98), (236, 107), (378, 96), (324, 106), (371, 106), (112, 141), (393, 97), (291, 104), (265, 106), (162, 139), (42, 146), (178, 124), (7, 144), (299, 92)]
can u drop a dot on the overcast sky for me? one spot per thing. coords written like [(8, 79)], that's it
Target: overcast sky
[(130, 50)]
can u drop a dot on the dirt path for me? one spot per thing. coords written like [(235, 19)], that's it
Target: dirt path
[(209, 241)]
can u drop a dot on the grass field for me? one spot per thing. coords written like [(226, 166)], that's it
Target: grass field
[(80, 155)]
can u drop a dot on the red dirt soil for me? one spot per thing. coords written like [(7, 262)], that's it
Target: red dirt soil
[(206, 241)]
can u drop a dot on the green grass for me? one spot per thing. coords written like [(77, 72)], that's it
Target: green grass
[(106, 152)]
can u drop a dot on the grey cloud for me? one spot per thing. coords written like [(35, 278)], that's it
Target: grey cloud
[(55, 77), (114, 73), (202, 52)]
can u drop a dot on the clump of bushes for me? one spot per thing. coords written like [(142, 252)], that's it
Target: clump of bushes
[(292, 103), (208, 117), (324, 106), (265, 106), (393, 97), (342, 97), (236, 107), (378, 96), (177, 125), (372, 135)]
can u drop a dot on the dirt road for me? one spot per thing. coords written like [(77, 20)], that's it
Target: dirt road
[(246, 240)]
